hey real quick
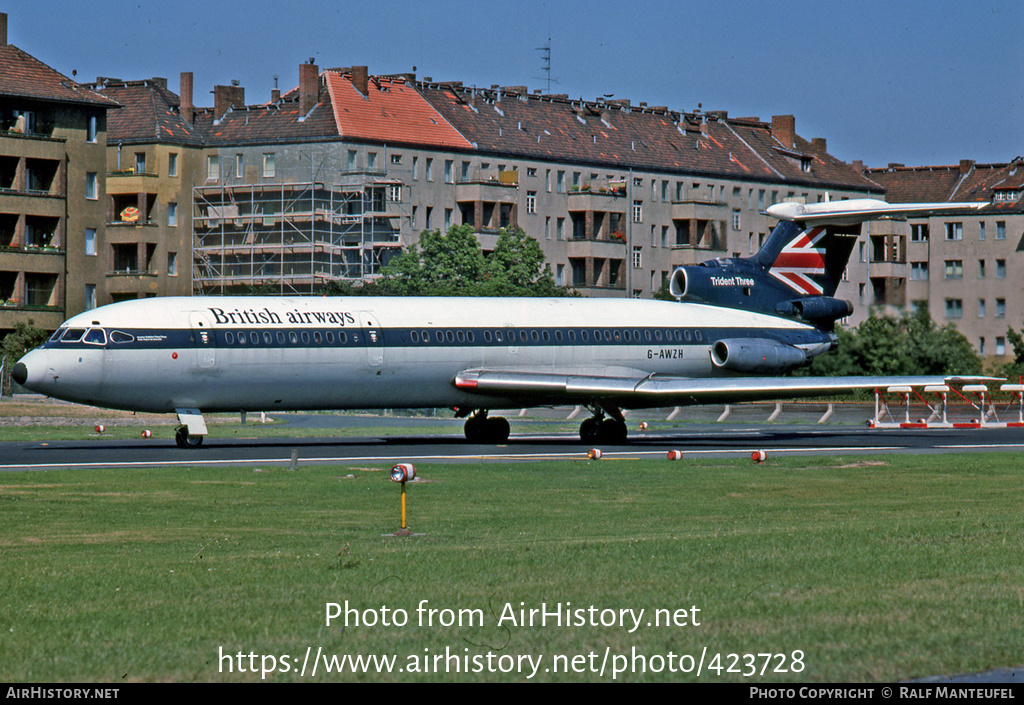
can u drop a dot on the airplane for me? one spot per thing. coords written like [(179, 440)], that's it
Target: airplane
[(737, 326)]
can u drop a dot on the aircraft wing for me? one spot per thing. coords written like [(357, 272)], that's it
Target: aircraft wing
[(635, 389), (860, 210)]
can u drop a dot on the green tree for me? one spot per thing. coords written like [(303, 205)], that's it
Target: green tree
[(911, 345), (1014, 370), (25, 337), (452, 264)]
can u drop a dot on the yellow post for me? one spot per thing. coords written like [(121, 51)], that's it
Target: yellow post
[(403, 505)]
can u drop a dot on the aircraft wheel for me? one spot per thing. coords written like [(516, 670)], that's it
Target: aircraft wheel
[(497, 429), (475, 428), (612, 431), (185, 440), (589, 429)]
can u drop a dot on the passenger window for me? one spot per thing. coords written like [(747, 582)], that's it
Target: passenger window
[(254, 337), (293, 337), (268, 338)]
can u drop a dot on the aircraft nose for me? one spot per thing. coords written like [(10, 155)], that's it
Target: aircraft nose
[(20, 373)]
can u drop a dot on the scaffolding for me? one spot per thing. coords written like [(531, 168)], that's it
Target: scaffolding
[(295, 237)]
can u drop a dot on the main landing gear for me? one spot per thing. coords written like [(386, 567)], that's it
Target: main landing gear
[(604, 429), (481, 428)]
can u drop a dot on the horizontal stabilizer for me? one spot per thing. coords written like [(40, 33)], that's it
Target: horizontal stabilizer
[(861, 210)]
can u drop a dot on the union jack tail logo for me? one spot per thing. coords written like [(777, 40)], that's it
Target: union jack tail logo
[(800, 261)]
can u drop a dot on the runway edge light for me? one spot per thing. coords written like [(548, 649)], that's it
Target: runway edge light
[(402, 473)]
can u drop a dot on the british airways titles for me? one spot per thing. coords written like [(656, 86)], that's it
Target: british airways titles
[(266, 316)]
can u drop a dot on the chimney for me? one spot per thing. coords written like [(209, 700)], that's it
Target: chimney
[(819, 145), (361, 79), (226, 97), (784, 130), (187, 108), (3, 29), (966, 165), (309, 87)]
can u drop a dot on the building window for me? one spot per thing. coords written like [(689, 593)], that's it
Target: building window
[(395, 193), (560, 275), (637, 256), (447, 219), (547, 227), (954, 269), (919, 271), (430, 169), (91, 186), (91, 130), (430, 213), (736, 220), (239, 166), (954, 231), (90, 296), (140, 162), (415, 168), (1000, 230), (1000, 308), (638, 211), (212, 167), (919, 232), (560, 229), (981, 231), (560, 182), (90, 241), (547, 181), (172, 214), (1000, 345), (172, 264), (981, 308), (371, 161), (396, 158), (351, 160), (981, 345), (1001, 269), (954, 308), (531, 202), (172, 164), (269, 166), (981, 269)]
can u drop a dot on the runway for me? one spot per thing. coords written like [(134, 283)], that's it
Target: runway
[(693, 440)]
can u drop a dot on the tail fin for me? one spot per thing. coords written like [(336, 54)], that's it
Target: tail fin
[(808, 260)]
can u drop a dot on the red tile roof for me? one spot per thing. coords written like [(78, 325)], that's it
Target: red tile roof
[(964, 182), (510, 121), (391, 111), (149, 113), (25, 76)]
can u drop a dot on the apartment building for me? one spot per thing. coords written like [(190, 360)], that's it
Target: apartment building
[(153, 155), (329, 180), (966, 269), (52, 180)]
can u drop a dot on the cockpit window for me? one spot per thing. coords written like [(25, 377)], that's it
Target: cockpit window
[(56, 335), (96, 336), (117, 336), (72, 335)]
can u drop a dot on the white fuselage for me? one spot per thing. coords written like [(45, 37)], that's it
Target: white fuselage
[(278, 353)]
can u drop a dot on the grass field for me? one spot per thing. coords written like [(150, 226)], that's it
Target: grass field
[(875, 569)]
